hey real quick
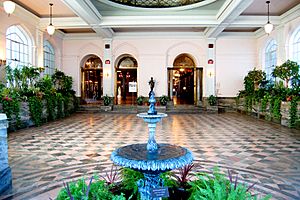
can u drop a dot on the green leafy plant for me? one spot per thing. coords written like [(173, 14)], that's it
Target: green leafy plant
[(212, 100), (276, 109), (253, 79), (36, 109), (59, 103), (293, 113), (106, 100), (10, 100), (130, 178), (140, 100), (79, 190), (62, 82), (264, 102), (164, 100), (286, 71), (218, 187)]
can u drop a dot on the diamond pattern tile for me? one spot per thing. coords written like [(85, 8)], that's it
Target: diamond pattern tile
[(43, 157)]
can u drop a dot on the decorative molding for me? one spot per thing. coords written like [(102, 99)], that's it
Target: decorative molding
[(227, 16)]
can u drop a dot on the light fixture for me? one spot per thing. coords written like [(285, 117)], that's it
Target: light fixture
[(50, 27), (9, 7), (210, 73), (2, 62), (268, 25)]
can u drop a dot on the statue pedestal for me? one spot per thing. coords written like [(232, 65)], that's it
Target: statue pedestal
[(5, 171)]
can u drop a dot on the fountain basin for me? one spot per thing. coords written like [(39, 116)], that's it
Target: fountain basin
[(152, 118), (167, 157)]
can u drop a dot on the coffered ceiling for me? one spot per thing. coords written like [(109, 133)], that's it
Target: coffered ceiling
[(208, 17)]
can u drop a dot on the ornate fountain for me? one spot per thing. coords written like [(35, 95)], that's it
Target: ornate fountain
[(152, 159)]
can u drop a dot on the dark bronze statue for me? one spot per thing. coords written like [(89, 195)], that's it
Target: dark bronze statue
[(151, 83)]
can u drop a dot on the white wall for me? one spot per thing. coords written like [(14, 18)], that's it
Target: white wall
[(155, 55), (74, 50), (234, 58)]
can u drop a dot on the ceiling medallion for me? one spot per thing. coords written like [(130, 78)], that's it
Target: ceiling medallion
[(157, 3)]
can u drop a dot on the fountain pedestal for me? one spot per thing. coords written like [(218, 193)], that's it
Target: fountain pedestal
[(5, 171)]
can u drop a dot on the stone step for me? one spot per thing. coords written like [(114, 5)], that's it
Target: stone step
[(140, 109)]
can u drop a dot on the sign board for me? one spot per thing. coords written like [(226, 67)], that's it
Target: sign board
[(132, 87), (159, 192)]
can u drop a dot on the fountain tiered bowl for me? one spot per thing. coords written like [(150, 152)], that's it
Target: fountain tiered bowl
[(151, 158)]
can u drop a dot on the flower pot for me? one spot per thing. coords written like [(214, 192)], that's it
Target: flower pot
[(178, 194)]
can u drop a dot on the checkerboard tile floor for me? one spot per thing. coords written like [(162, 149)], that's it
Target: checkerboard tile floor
[(43, 157)]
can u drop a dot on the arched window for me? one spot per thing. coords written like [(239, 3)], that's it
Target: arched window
[(295, 46), (18, 47), (49, 58), (270, 58)]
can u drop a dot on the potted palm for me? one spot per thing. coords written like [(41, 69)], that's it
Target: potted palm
[(107, 100), (163, 100)]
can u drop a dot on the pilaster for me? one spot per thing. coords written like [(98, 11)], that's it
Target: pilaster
[(5, 171), (108, 69), (210, 69)]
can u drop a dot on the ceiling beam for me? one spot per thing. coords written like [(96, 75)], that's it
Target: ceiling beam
[(230, 10), (88, 13)]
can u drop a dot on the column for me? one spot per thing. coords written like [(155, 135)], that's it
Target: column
[(39, 49), (5, 171), (210, 69), (108, 69), (281, 45), (2, 58)]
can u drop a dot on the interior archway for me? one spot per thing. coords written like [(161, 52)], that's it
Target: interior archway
[(126, 73), (92, 78), (184, 80)]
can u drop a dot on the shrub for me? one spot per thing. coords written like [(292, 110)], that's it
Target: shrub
[(212, 100), (106, 100), (140, 100), (164, 100), (218, 187)]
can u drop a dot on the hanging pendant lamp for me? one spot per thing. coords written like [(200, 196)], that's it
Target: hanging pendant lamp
[(50, 27), (268, 26), (9, 7)]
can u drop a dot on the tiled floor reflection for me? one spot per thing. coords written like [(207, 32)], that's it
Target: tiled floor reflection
[(41, 158)]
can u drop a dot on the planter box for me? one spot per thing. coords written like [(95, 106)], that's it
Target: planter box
[(212, 109)]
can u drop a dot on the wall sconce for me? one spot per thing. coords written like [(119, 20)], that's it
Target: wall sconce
[(2, 62), (9, 7), (210, 73), (106, 73)]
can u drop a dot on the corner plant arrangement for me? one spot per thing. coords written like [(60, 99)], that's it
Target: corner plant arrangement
[(25, 84)]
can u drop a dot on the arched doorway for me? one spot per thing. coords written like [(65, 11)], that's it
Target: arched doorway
[(126, 72), (184, 80), (92, 76)]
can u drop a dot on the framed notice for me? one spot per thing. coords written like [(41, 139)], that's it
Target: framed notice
[(132, 87)]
